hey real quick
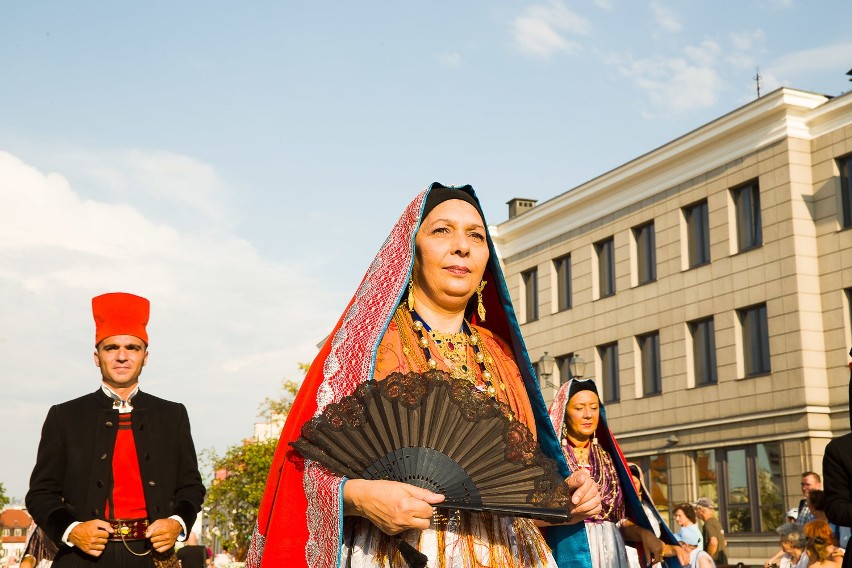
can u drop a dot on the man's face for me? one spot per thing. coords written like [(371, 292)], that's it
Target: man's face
[(703, 512), (120, 359), (809, 482)]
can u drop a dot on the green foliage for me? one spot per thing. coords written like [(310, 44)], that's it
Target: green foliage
[(4, 500), (234, 500), (239, 476)]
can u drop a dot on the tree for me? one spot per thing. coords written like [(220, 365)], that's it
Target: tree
[(239, 478), (4, 500)]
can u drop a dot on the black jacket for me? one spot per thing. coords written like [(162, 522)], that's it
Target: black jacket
[(837, 484), (72, 477)]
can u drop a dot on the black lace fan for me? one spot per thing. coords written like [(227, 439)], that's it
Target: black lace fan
[(443, 434)]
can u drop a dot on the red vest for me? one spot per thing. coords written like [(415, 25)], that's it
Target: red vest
[(128, 499)]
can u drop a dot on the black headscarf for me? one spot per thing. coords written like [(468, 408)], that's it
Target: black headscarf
[(439, 193)]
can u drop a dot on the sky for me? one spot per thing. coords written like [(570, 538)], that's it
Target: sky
[(240, 163)]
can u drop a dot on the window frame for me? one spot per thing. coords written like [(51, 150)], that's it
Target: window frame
[(646, 253), (564, 290), (699, 348), (749, 217), (610, 379), (605, 251), (748, 316), (651, 363), (697, 233), (844, 167), (530, 279)]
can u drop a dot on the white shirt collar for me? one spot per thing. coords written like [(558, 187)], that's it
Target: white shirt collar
[(122, 405)]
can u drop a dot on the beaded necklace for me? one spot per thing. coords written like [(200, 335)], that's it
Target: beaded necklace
[(452, 348), (598, 463)]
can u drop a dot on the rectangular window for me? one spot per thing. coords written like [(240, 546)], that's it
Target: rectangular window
[(562, 266), (646, 255), (606, 266), (562, 364), (748, 482), (697, 233), (655, 473), (845, 166), (649, 346), (755, 329), (704, 351), (609, 372), (747, 206), (530, 278)]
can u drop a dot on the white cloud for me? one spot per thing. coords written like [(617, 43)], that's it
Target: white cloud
[(542, 29), (678, 84), (665, 17), (828, 58), (226, 324), (604, 5), (450, 59), (748, 40)]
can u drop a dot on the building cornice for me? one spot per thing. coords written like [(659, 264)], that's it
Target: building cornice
[(781, 114)]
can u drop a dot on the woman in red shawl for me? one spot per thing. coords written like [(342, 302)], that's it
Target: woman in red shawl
[(421, 306)]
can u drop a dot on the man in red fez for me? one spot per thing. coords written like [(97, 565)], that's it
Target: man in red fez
[(116, 479)]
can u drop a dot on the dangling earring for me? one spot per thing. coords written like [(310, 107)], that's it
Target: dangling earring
[(410, 300), (480, 307), (595, 438)]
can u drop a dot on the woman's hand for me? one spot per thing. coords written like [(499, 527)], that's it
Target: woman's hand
[(585, 498), (390, 505), (650, 543)]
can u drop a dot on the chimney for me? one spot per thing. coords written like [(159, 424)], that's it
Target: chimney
[(519, 205)]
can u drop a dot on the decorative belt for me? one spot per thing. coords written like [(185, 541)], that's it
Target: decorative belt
[(131, 529)]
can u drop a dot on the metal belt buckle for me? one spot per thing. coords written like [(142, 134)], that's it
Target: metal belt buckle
[(123, 529)]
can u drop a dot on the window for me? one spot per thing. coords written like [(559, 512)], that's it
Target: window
[(749, 481), (655, 470), (747, 207), (6, 532), (849, 312), (19, 532), (530, 278), (845, 166), (606, 267), (609, 372), (646, 256), (703, 351), (755, 330), (562, 363), (649, 347), (562, 267), (697, 233)]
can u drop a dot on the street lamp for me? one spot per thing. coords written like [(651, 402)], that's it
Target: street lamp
[(577, 367), (545, 366)]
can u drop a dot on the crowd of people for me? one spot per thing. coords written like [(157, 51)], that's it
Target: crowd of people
[(434, 299)]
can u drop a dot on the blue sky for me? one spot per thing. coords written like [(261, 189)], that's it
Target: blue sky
[(240, 163)]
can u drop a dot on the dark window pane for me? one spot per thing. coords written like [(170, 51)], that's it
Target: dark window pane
[(704, 351), (531, 293), (698, 234), (658, 484), (646, 261), (609, 371), (755, 340), (606, 267), (845, 165), (738, 499), (562, 363), (563, 282), (649, 345), (749, 229), (708, 478)]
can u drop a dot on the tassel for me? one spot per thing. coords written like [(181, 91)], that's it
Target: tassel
[(480, 307), (413, 557), (410, 300)]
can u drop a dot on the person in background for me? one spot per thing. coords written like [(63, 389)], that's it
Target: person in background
[(817, 503), (689, 538), (714, 537), (810, 480), (793, 542), (40, 549), (822, 550), (684, 515), (116, 476), (192, 554), (792, 514), (224, 558)]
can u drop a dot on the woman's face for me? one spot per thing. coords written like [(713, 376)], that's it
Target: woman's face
[(681, 519), (451, 252), (581, 416), (637, 484)]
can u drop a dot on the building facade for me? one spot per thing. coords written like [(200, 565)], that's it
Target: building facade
[(14, 523), (708, 283)]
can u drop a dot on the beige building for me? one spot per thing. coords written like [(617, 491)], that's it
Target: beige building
[(708, 284)]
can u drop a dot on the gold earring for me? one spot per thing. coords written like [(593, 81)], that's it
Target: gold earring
[(410, 300), (480, 307)]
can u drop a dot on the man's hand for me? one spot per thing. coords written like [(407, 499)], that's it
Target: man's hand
[(91, 536), (585, 498), (163, 534), (390, 505)]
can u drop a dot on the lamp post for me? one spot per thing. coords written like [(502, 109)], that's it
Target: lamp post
[(545, 367), (577, 366)]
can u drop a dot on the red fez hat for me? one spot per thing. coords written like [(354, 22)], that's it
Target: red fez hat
[(119, 313)]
